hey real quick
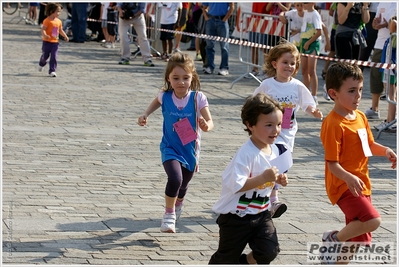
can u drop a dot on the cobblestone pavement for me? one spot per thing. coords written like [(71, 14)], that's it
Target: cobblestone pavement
[(83, 183)]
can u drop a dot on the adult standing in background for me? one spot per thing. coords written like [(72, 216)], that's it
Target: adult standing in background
[(42, 14), (133, 14), (78, 22), (216, 16), (348, 36), (385, 11)]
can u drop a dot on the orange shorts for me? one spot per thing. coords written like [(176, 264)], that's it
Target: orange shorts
[(358, 208)]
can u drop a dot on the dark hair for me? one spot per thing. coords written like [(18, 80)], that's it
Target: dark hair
[(185, 62), (338, 72), (256, 105), (51, 8), (276, 52)]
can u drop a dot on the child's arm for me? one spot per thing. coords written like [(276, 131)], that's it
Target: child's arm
[(205, 122), (354, 183), (380, 150), (63, 34), (150, 109), (269, 175), (282, 179), (44, 34), (315, 112)]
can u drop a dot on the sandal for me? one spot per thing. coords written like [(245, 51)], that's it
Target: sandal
[(323, 74)]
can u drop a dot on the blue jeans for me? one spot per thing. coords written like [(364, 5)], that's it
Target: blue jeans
[(78, 21), (216, 27)]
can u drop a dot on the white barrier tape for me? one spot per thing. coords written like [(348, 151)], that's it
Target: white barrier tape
[(257, 45)]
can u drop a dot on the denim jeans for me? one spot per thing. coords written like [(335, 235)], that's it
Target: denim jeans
[(216, 27), (78, 21)]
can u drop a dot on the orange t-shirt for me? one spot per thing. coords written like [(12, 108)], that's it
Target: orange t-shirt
[(342, 143), (52, 28)]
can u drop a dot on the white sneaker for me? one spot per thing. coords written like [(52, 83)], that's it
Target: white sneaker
[(108, 45), (253, 72), (328, 241), (40, 68), (53, 74), (168, 224), (112, 45), (261, 76), (223, 72), (208, 70), (325, 94), (371, 114)]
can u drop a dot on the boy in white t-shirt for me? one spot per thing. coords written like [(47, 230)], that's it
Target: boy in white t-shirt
[(244, 203)]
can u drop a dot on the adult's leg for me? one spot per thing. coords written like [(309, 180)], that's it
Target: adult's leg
[(210, 29), (123, 28), (140, 27), (223, 31)]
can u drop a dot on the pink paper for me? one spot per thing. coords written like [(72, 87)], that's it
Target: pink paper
[(286, 124), (185, 131)]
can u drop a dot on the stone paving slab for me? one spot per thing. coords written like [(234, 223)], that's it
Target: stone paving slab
[(82, 183)]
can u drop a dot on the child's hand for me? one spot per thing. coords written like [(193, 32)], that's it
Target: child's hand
[(282, 179), (317, 113), (142, 121), (203, 124), (355, 185), (270, 175), (391, 157), (66, 38)]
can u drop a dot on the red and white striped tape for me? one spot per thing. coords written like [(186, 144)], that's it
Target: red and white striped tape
[(257, 45)]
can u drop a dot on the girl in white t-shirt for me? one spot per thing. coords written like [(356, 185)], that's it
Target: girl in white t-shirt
[(282, 64)]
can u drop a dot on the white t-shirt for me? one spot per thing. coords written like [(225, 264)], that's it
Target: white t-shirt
[(386, 10), (291, 95), (169, 13), (249, 161), (105, 6), (311, 22), (295, 24)]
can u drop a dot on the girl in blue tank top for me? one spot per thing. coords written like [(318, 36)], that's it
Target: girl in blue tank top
[(186, 114)]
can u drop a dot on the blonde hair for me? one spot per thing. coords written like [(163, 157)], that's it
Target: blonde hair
[(185, 62), (276, 52)]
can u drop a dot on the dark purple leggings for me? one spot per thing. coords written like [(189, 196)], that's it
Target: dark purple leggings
[(178, 179)]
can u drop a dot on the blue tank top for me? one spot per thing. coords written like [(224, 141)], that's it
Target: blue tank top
[(171, 146)]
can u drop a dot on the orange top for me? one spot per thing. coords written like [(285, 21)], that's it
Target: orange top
[(52, 28), (342, 143)]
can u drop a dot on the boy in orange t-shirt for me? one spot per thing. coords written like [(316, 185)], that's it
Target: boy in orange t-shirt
[(51, 28), (348, 142)]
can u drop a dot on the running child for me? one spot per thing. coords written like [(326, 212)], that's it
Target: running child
[(281, 65), (247, 182), (348, 142), (51, 29), (186, 114)]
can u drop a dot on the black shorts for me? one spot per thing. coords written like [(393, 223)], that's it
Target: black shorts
[(112, 18), (167, 35)]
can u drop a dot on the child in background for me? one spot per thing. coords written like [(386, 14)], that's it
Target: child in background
[(348, 142), (112, 21), (310, 45), (295, 16), (186, 114), (389, 75), (281, 65), (247, 183), (103, 19), (51, 28), (170, 17)]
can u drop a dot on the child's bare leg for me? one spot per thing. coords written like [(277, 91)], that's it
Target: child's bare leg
[(356, 228)]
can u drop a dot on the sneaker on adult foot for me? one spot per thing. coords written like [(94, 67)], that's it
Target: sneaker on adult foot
[(53, 74), (277, 209), (124, 61), (168, 224), (208, 70), (149, 63), (372, 114), (223, 72), (384, 126)]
